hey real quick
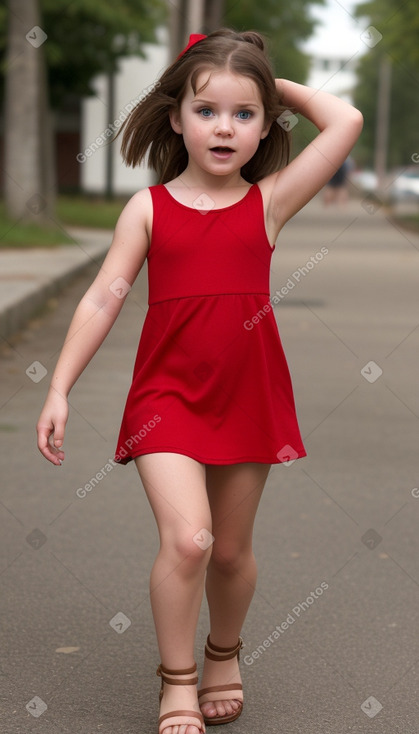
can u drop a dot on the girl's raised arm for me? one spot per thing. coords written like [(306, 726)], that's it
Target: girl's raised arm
[(93, 319), (339, 124)]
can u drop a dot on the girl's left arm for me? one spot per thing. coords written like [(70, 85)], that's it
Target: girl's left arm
[(339, 126)]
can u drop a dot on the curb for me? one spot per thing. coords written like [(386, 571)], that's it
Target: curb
[(30, 278)]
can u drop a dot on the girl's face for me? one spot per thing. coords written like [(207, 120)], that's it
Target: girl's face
[(222, 124)]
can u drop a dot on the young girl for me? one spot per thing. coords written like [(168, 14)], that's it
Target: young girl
[(211, 404)]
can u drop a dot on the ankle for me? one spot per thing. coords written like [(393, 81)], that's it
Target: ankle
[(219, 653), (177, 673), (184, 676)]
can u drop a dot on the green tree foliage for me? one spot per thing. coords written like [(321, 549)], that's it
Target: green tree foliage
[(399, 25), (404, 111), (286, 24), (87, 37), (398, 22)]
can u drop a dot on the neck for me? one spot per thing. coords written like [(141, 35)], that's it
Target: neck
[(193, 178)]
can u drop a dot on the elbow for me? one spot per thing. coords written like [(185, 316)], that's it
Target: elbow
[(353, 126), (106, 298), (357, 120)]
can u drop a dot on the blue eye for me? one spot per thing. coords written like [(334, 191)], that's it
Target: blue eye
[(246, 113), (205, 112)]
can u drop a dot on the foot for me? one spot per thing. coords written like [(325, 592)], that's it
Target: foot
[(222, 674), (180, 730), (219, 709), (180, 698)]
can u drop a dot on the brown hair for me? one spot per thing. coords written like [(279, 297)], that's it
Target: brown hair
[(148, 130)]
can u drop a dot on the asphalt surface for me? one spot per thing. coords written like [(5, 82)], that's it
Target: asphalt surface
[(331, 638)]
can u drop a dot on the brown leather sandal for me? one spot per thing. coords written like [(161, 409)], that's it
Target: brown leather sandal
[(195, 718), (206, 695)]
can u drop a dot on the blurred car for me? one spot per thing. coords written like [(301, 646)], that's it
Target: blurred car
[(405, 184), (365, 181)]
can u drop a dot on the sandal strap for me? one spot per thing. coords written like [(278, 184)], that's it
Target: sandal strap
[(214, 652), (165, 672), (216, 689)]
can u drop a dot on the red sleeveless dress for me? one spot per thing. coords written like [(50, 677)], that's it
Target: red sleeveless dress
[(209, 382)]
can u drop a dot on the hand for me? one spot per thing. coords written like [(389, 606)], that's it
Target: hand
[(51, 427)]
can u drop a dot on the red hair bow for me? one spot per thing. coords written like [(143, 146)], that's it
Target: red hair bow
[(193, 38)]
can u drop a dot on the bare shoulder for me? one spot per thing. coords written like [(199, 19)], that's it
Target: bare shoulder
[(137, 213), (131, 240)]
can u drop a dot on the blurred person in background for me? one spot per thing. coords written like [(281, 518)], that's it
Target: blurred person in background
[(336, 190)]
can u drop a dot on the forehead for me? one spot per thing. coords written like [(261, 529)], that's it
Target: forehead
[(222, 83)]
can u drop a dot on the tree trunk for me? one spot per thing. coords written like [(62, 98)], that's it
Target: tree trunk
[(214, 13), (192, 16), (186, 17), (194, 19), (29, 188)]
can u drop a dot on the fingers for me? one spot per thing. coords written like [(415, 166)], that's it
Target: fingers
[(58, 435), (50, 442), (51, 428)]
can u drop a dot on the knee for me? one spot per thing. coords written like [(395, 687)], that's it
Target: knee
[(189, 550), (229, 557)]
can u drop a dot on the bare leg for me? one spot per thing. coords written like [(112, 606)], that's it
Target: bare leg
[(234, 493), (175, 487)]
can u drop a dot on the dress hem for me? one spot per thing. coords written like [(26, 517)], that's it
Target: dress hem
[(202, 460)]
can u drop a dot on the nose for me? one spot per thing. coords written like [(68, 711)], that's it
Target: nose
[(224, 126)]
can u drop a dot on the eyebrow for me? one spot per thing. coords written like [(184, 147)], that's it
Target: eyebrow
[(212, 102)]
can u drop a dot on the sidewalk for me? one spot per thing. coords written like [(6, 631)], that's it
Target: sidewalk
[(28, 278)]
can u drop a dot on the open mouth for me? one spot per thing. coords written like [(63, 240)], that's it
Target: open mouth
[(222, 149)]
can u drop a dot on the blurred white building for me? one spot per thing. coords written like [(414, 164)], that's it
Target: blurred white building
[(338, 43), (99, 158), (333, 74)]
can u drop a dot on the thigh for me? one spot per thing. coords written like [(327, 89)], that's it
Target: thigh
[(234, 492), (175, 487)]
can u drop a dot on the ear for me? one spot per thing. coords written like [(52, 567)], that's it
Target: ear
[(174, 116), (265, 131)]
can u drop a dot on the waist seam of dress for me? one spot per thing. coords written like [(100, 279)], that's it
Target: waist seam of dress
[(209, 295)]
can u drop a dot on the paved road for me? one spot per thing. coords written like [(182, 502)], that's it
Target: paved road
[(332, 634)]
